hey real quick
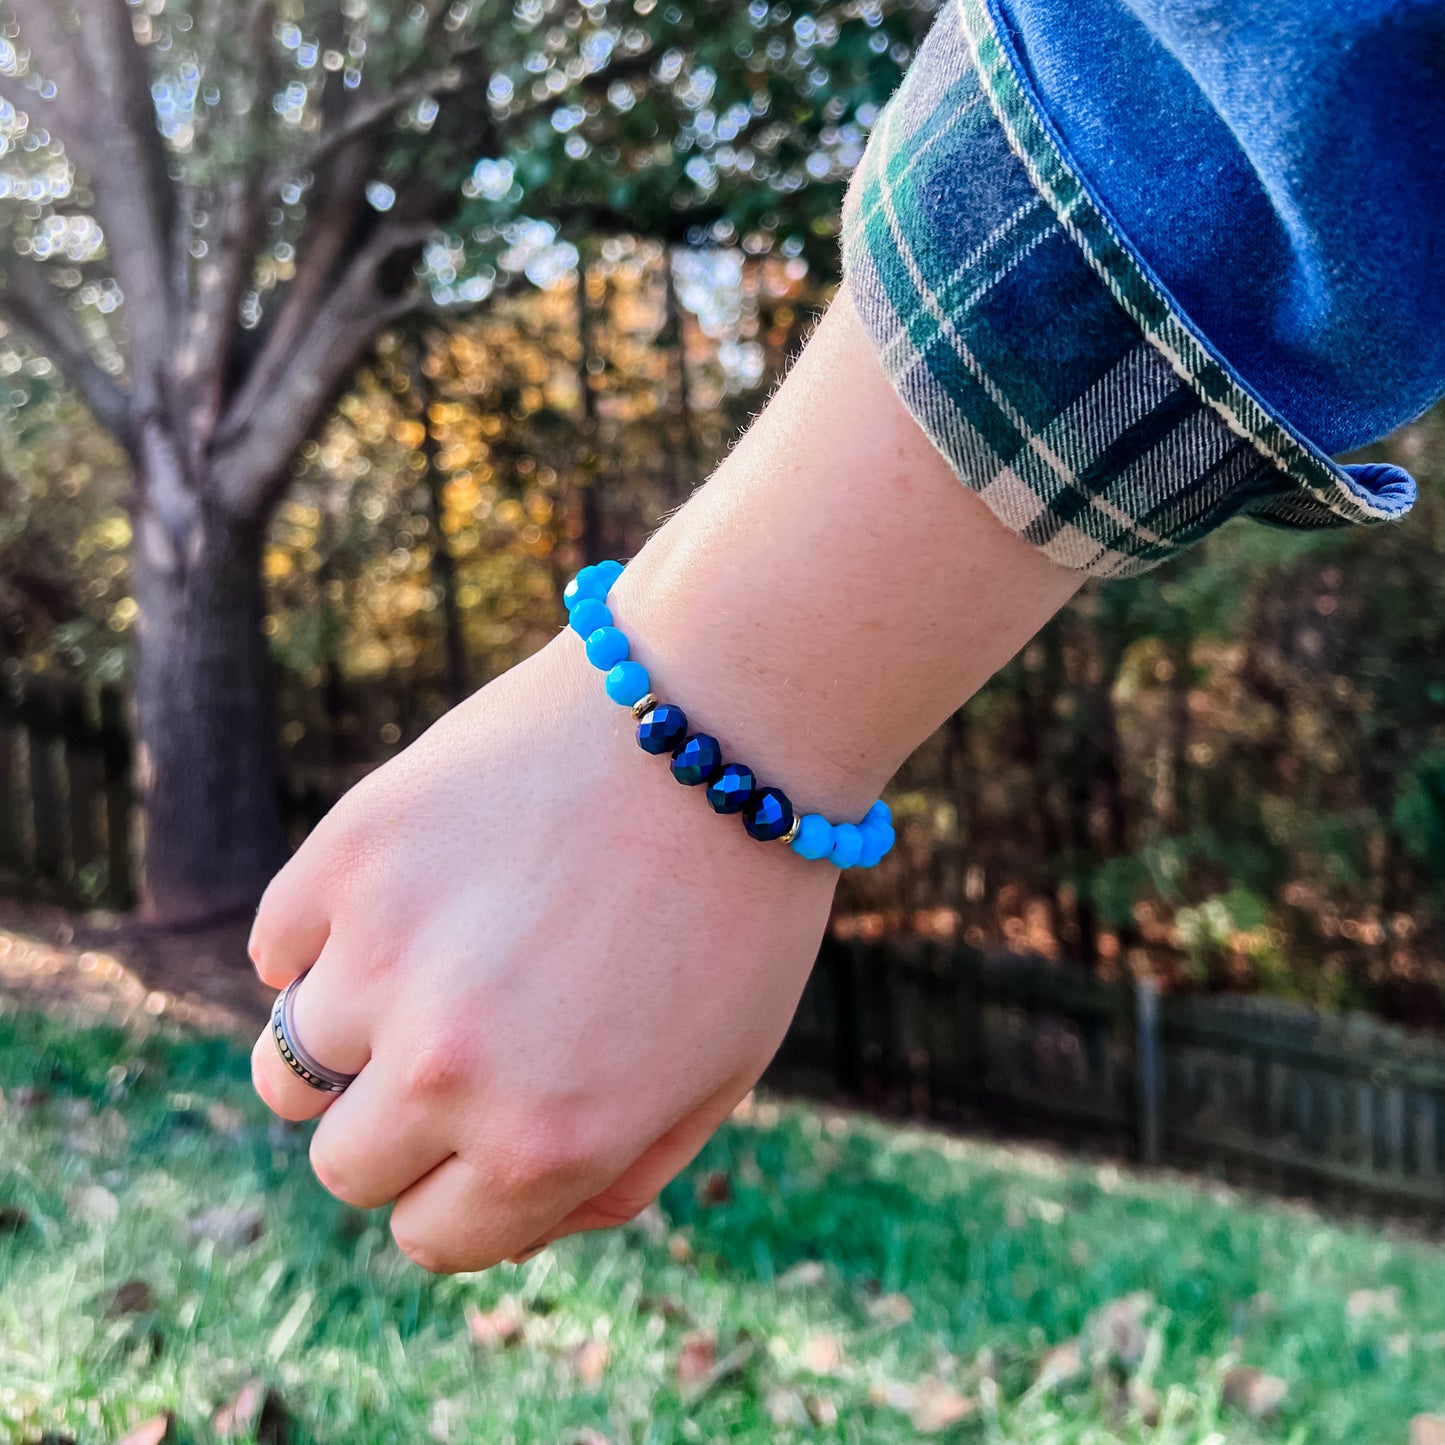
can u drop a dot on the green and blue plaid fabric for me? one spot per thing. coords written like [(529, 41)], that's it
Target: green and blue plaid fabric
[(1036, 350)]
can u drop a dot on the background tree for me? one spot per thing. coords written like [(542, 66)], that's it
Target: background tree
[(214, 208)]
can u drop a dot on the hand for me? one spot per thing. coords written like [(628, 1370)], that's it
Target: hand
[(554, 968)]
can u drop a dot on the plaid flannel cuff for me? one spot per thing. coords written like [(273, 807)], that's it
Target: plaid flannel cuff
[(1038, 352)]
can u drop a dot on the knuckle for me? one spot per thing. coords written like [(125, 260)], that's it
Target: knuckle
[(424, 1253), (337, 1173), (440, 1066), (551, 1153)]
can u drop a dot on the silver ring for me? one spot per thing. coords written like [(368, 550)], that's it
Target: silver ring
[(293, 1055)]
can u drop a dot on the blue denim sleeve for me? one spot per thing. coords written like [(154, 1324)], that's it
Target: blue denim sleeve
[(1138, 266)]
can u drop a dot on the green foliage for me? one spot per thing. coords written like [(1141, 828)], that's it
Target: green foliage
[(1420, 812)]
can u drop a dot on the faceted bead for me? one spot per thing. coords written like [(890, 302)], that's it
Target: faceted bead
[(879, 813), (587, 583), (588, 615), (606, 647), (732, 789), (662, 729), (847, 845), (697, 760), (607, 574), (815, 837), (769, 815), (627, 682), (875, 845)]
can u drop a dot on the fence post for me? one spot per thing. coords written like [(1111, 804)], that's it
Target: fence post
[(1150, 1064), (115, 751)]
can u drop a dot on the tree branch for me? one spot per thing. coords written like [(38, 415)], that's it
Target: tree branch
[(253, 466), (41, 312), (230, 263), (362, 120), (134, 193)]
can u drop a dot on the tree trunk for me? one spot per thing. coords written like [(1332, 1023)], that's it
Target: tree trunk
[(208, 762)]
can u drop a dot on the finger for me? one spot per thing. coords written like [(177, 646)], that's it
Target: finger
[(331, 1021), (292, 922), (379, 1138), (646, 1177), (463, 1217)]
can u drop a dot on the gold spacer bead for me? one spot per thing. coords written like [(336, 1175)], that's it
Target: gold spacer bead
[(643, 706), (787, 838)]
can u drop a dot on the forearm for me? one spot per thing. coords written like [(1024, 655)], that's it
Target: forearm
[(833, 593)]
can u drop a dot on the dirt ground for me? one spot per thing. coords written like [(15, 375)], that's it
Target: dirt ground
[(113, 970)]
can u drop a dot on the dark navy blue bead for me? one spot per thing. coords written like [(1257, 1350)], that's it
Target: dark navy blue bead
[(697, 760), (769, 815), (732, 789), (662, 729)]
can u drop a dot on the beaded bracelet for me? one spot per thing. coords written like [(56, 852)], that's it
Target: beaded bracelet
[(697, 759)]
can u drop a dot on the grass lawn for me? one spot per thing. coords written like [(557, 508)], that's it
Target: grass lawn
[(163, 1247)]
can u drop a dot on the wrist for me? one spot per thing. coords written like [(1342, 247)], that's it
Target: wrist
[(731, 652)]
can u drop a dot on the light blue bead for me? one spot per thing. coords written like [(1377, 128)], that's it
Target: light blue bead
[(815, 837), (606, 648), (587, 616), (847, 845), (879, 813), (589, 582), (875, 845), (607, 574), (627, 682), (885, 836)]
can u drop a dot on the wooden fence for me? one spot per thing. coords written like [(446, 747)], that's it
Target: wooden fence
[(1280, 1093), (65, 797), (1262, 1089)]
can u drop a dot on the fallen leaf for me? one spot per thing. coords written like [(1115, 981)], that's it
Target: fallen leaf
[(1115, 1333), (823, 1354), (1145, 1401), (1427, 1430), (1059, 1366), (94, 1204), (672, 1310), (936, 1406), (821, 1410), (1253, 1391), (787, 1408), (590, 1360), (697, 1357), (229, 1227), (225, 1118), (714, 1187), (680, 1248), (134, 1297), (254, 1412), (651, 1222), (806, 1274), (930, 1405), (152, 1432), (891, 1309), (498, 1327), (238, 1414), (1364, 1303), (729, 1366)]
